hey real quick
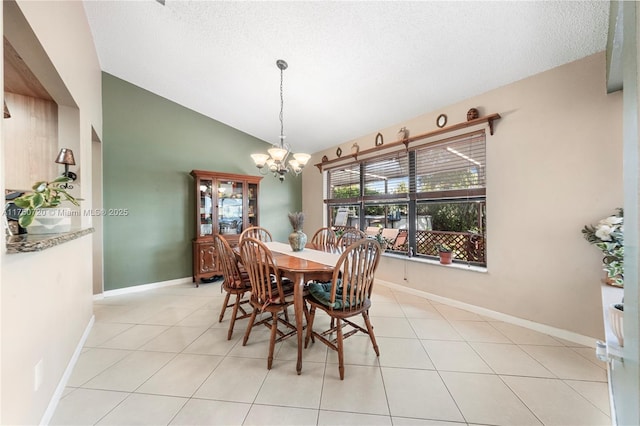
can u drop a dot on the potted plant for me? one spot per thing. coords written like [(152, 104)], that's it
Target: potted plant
[(446, 254), (608, 236), (41, 212), (383, 241)]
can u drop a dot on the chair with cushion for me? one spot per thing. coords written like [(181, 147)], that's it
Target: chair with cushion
[(347, 294), (268, 293), (258, 233), (324, 238), (236, 282), (350, 236)]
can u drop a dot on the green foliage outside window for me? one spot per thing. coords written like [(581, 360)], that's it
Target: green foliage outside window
[(346, 191), (455, 179), (457, 217), (402, 188)]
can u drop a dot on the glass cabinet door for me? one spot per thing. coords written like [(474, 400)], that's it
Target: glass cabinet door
[(252, 205), (206, 207), (230, 206)]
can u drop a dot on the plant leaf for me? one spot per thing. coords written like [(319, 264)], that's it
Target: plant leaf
[(37, 200), (39, 186), (23, 202), (26, 217)]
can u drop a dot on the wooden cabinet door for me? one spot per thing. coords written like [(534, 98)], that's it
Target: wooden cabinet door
[(205, 261)]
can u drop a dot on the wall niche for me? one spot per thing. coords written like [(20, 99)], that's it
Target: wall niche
[(31, 131)]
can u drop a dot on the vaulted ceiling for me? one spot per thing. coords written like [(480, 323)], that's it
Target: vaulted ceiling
[(354, 67)]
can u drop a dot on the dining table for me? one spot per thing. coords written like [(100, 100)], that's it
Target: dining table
[(312, 263)]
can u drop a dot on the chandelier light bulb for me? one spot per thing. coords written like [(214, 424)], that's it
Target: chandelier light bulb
[(277, 154), (302, 158), (260, 159)]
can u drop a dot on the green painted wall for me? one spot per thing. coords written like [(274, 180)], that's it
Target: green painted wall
[(150, 146)]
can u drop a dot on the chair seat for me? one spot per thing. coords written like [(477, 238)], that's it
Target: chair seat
[(288, 293), (241, 285), (321, 293)]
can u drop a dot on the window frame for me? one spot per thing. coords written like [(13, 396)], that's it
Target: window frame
[(412, 198)]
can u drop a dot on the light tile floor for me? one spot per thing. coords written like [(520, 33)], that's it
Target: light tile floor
[(161, 357)]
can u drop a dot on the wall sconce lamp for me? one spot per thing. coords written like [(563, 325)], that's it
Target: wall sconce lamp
[(66, 157)]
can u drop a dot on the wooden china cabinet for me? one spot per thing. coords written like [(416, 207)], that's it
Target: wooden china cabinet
[(226, 204)]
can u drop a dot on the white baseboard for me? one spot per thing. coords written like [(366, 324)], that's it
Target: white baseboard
[(62, 384), (542, 328), (142, 287)]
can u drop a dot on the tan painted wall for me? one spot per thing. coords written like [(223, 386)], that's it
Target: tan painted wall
[(46, 297), (553, 165), (45, 310)]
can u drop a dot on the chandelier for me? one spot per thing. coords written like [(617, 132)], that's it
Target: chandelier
[(276, 161)]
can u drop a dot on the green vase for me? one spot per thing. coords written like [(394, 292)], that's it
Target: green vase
[(297, 240)]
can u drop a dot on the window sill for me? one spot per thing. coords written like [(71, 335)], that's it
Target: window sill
[(25, 243), (454, 265)]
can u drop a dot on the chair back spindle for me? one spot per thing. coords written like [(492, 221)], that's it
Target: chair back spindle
[(257, 232), (324, 238), (229, 263), (354, 274), (350, 236), (262, 270)]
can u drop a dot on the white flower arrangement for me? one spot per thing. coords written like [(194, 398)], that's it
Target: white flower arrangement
[(608, 236)]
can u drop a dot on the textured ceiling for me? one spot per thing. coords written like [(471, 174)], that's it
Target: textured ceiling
[(354, 67)]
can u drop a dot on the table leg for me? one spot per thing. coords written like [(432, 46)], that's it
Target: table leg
[(298, 306)]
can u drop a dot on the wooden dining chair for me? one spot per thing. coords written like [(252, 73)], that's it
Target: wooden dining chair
[(324, 238), (258, 233), (236, 282), (268, 293), (347, 294), (350, 236)]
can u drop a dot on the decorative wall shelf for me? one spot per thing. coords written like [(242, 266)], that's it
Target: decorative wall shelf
[(489, 119)]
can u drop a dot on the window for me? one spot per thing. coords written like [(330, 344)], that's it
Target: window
[(432, 194), (452, 168), (344, 183)]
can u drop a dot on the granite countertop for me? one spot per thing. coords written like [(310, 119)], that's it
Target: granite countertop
[(25, 243)]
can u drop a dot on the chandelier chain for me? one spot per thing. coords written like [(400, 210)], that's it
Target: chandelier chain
[(281, 109)]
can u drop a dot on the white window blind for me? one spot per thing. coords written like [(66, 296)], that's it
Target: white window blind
[(452, 165), (344, 182), (388, 175)]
